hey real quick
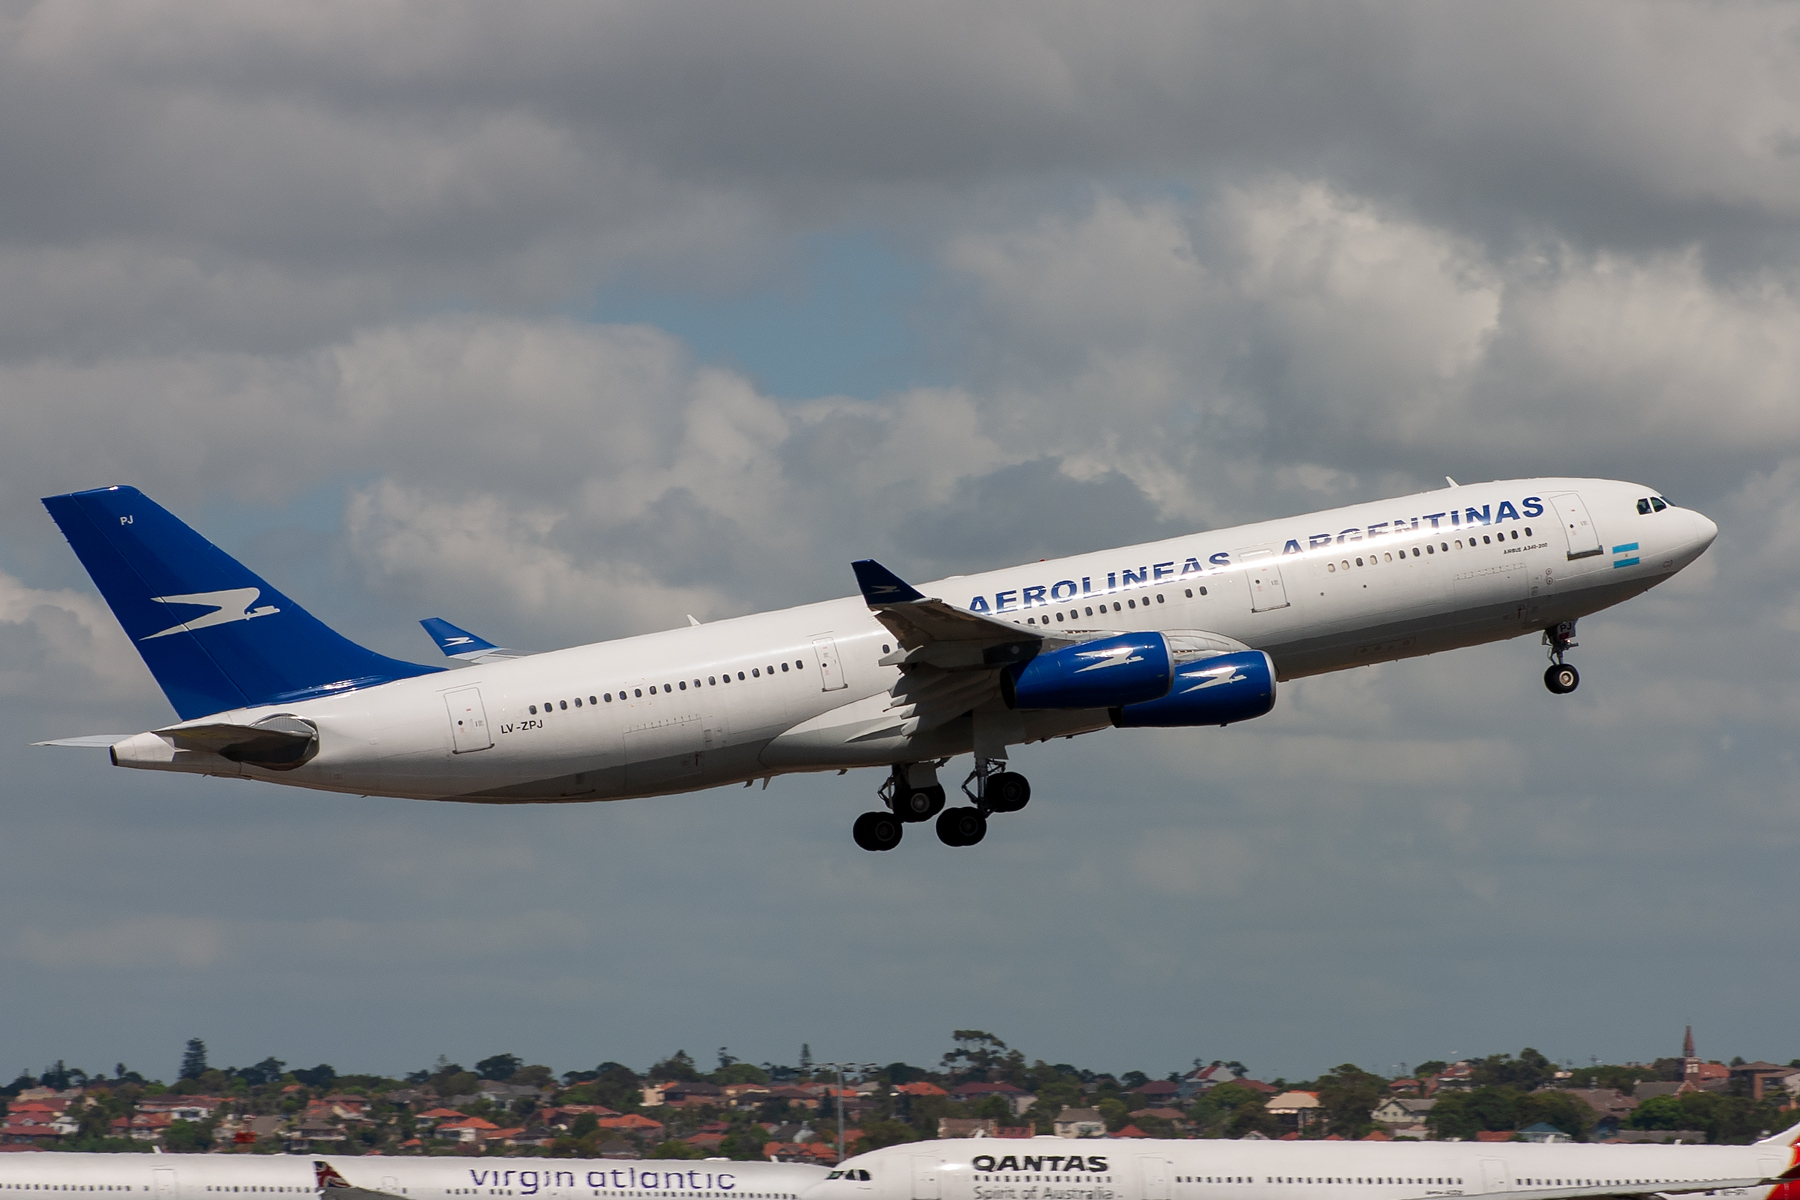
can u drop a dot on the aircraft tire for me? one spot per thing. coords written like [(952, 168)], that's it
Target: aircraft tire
[(877, 831), (1008, 792), (961, 826), (1562, 679), (919, 804)]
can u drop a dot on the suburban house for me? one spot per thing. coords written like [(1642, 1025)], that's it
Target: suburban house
[(1295, 1110), (1402, 1110), (1079, 1123)]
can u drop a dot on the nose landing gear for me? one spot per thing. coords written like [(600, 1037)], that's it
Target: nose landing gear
[(1561, 678)]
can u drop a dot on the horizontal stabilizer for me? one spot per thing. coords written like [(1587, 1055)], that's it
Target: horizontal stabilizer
[(464, 646), (279, 742), (93, 741)]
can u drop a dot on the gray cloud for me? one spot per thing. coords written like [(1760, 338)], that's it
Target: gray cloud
[(314, 278)]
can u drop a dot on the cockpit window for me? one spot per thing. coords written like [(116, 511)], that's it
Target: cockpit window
[(1658, 503), (1644, 506)]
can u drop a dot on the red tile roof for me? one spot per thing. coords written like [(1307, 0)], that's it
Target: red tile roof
[(921, 1088)]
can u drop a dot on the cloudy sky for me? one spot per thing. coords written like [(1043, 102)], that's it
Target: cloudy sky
[(562, 321)]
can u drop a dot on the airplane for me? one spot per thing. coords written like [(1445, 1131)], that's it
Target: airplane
[(349, 1177), (1191, 631), (1047, 1168)]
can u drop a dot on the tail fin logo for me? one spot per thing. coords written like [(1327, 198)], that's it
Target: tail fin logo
[(231, 604)]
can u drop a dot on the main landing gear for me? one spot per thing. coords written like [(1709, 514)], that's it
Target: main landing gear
[(912, 794), (1560, 677)]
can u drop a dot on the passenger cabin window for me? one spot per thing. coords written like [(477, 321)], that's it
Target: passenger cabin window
[(534, 710)]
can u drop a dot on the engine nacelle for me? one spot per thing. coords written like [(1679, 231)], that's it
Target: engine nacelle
[(1104, 673), (1208, 691)]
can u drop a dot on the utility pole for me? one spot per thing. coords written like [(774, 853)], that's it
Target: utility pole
[(840, 1068)]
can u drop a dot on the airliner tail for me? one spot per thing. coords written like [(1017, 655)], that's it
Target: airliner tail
[(214, 634)]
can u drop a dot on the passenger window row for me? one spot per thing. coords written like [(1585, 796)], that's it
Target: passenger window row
[(680, 686), (1388, 555), (1075, 613)]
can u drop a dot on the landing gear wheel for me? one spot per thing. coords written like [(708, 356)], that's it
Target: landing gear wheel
[(918, 804), (961, 826), (1008, 792), (877, 831), (1562, 679)]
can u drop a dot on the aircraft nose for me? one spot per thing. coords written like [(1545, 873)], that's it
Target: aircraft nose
[(1705, 530)]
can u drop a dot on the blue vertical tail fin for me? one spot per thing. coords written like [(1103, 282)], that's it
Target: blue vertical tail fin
[(214, 634)]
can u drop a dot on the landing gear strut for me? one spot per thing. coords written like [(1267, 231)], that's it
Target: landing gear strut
[(1561, 678), (911, 794), (990, 789)]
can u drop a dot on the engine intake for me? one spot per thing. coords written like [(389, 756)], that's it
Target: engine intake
[(1104, 673), (1208, 691)]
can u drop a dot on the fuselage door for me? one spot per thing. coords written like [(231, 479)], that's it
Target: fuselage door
[(925, 1177), (1584, 539), (831, 671), (468, 720), (165, 1184), (1154, 1174), (1267, 590), (1494, 1176)]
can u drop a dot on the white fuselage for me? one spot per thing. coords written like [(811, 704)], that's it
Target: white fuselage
[(1108, 1169), (211, 1176), (803, 689)]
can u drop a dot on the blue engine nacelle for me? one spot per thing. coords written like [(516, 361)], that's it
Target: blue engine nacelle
[(1208, 691), (1104, 673)]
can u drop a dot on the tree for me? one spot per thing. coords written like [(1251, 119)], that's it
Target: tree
[(536, 1075), (678, 1067), (676, 1148), (265, 1072), (316, 1077), (499, 1068), (976, 1051), (1503, 1070), (878, 1132), (1231, 1110), (740, 1072), (188, 1137), (193, 1059), (1347, 1094)]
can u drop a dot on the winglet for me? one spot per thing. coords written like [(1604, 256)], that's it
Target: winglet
[(881, 586), (464, 646)]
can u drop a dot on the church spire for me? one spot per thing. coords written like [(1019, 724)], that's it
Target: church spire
[(1687, 1043)]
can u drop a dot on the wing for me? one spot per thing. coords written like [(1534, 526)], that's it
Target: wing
[(96, 741), (464, 646)]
